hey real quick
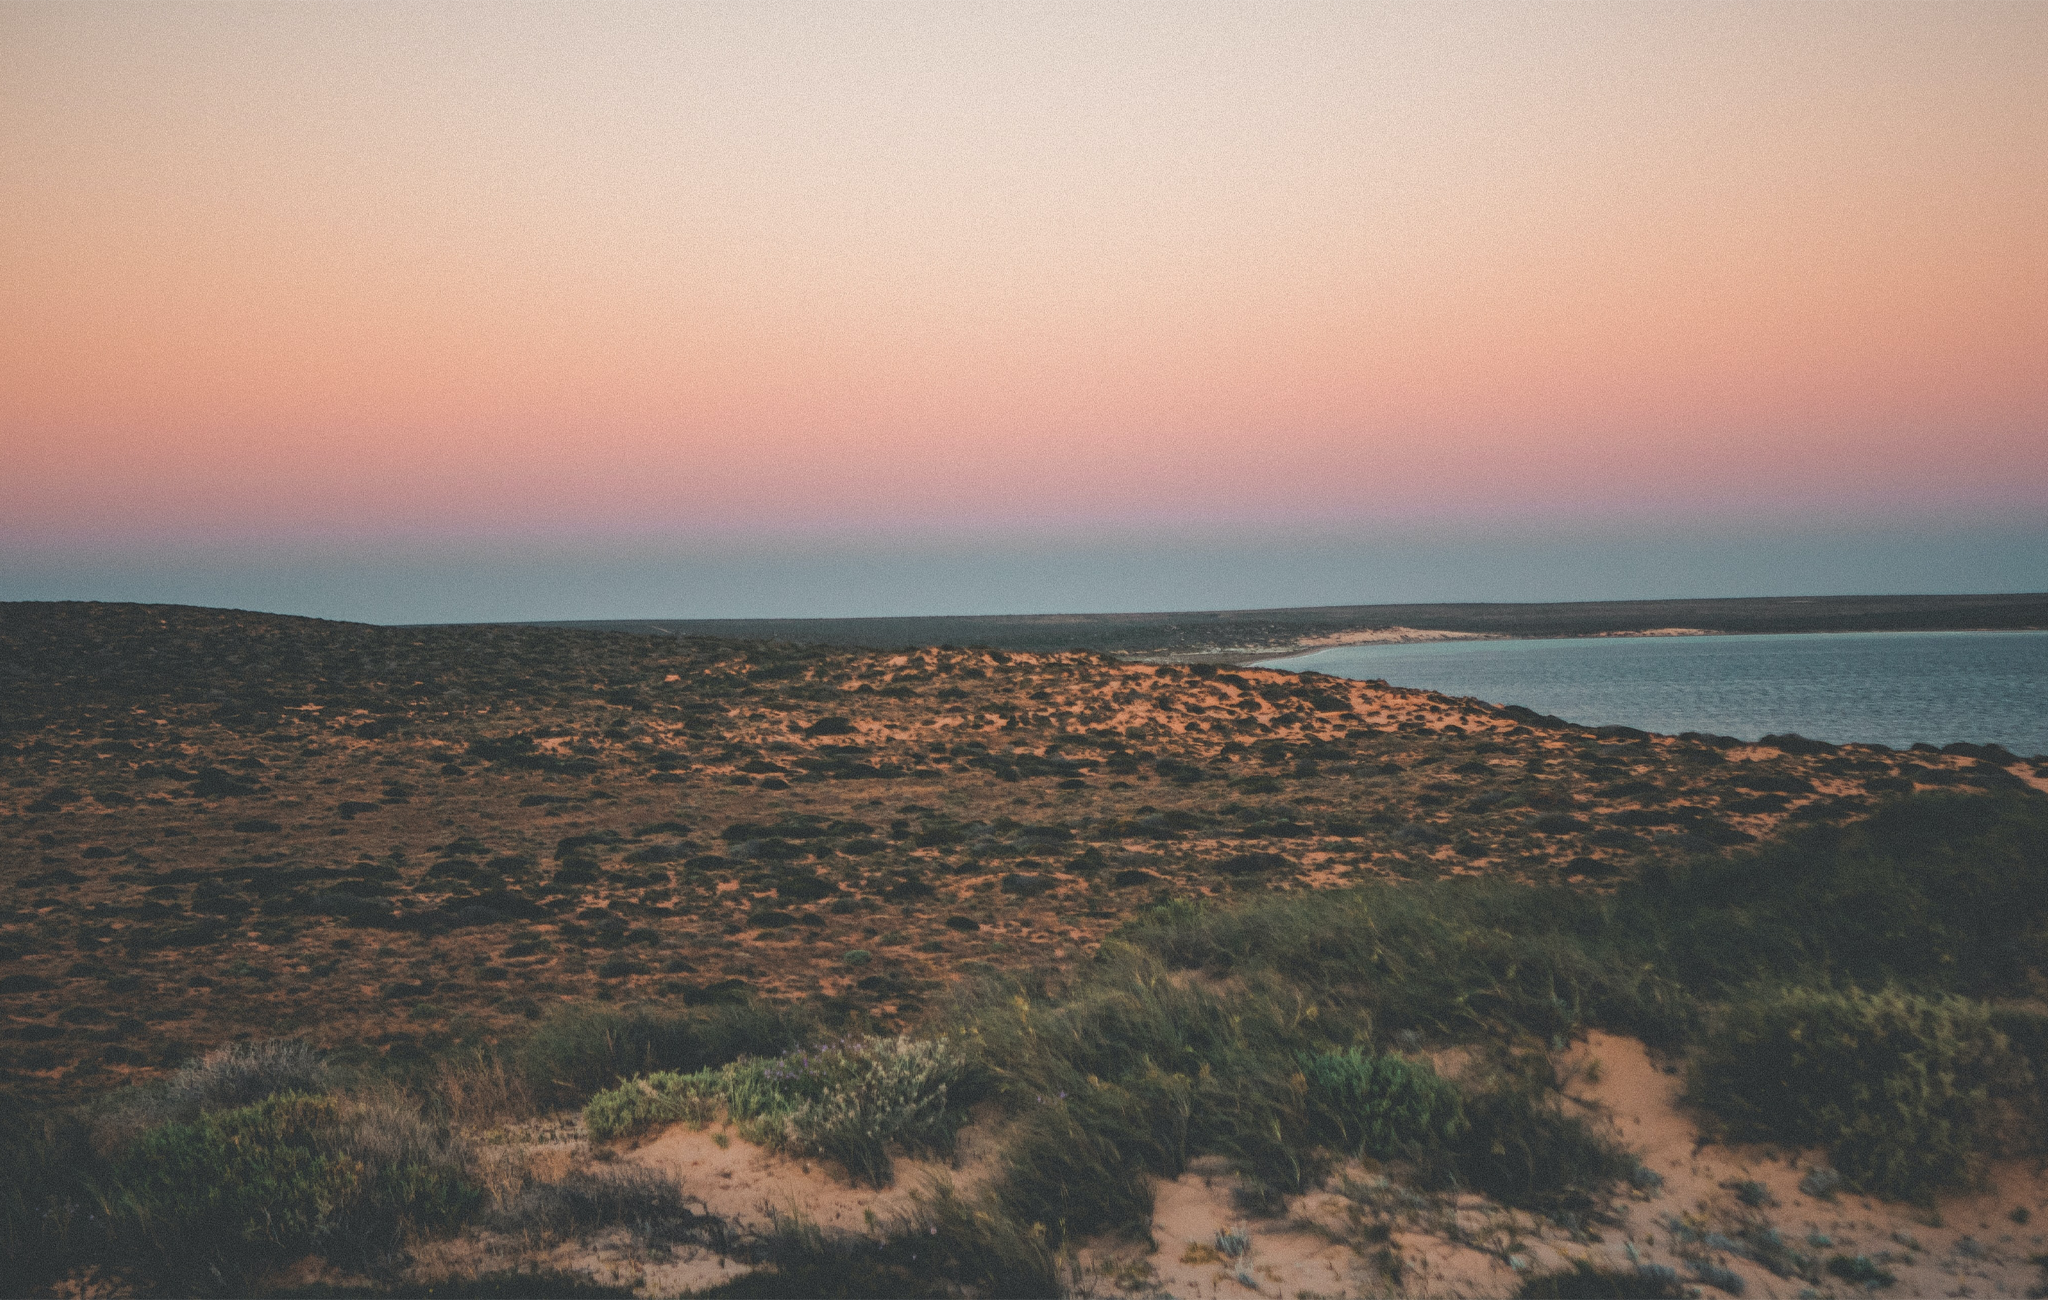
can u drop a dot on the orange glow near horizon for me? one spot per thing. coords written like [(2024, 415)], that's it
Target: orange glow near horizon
[(459, 270)]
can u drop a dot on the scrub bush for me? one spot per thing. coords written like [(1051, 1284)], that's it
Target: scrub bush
[(578, 1050), (649, 1100), (239, 1074), (1129, 1075), (208, 1205), (845, 1101), (860, 1094), (1909, 1094)]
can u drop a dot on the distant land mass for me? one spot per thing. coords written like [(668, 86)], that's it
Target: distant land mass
[(1243, 635)]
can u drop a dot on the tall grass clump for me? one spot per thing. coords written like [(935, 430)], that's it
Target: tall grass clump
[(239, 1074), (579, 1050), (1137, 1068), (478, 1086), (1383, 1106), (1520, 1147), (1132, 1072), (206, 1206), (845, 1100), (1448, 959), (1909, 1094)]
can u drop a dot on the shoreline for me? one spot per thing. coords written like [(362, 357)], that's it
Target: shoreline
[(1247, 656), (1227, 636)]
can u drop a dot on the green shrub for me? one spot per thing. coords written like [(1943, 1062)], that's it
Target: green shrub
[(1076, 1170), (233, 1192), (209, 1204), (1129, 1074), (845, 1100), (1861, 1270), (1381, 1106), (578, 1050), (1907, 1093), (2026, 1033), (1133, 1071), (860, 1094), (238, 1074), (1937, 893), (650, 1100)]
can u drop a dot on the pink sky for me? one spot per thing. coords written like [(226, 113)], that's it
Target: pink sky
[(300, 272)]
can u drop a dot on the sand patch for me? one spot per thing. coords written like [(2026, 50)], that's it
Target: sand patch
[(610, 1257), (745, 1185), (1964, 1245), (749, 1186), (1392, 636)]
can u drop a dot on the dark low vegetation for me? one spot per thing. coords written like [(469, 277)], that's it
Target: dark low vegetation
[(574, 1053), (1942, 893), (210, 1203), (1908, 1093), (1831, 989)]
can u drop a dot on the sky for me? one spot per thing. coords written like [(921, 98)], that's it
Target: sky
[(410, 312)]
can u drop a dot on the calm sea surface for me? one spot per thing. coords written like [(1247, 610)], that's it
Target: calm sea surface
[(1887, 688)]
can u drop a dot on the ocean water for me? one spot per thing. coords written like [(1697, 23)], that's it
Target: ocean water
[(1886, 688)]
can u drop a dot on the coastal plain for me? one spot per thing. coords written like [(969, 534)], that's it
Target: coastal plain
[(413, 846), (220, 824)]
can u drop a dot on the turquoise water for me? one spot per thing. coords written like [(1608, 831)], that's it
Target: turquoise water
[(1886, 688)]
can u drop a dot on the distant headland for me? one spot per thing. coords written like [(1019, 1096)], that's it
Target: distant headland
[(1246, 635)]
